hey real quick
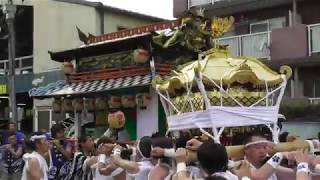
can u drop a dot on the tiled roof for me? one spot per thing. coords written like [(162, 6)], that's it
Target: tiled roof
[(134, 31), (61, 88)]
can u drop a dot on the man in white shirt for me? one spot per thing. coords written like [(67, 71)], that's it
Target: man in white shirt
[(137, 170), (256, 153), (213, 161), (36, 167), (106, 169)]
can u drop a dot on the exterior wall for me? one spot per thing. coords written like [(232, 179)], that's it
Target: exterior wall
[(303, 129), (147, 119), (113, 20), (179, 7), (288, 48), (55, 29), (311, 78)]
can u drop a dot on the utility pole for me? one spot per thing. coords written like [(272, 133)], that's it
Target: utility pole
[(9, 10), (294, 12)]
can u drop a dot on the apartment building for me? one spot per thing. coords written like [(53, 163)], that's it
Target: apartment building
[(278, 32)]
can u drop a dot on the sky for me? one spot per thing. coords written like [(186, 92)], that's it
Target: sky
[(158, 8)]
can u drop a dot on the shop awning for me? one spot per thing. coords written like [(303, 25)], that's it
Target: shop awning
[(61, 88)]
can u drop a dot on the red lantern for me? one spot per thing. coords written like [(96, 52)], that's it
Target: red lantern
[(116, 120), (141, 56), (128, 101), (67, 105), (142, 100), (68, 68), (77, 104), (56, 105), (88, 103), (101, 104), (115, 102)]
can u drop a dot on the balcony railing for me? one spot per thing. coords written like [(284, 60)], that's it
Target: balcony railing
[(314, 101), (252, 45), (314, 38), (23, 65), (194, 3)]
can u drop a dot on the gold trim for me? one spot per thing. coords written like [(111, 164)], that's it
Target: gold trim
[(217, 65)]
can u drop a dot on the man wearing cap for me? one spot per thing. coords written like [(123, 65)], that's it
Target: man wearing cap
[(36, 167)]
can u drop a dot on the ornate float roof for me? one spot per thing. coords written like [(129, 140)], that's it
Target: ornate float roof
[(220, 67)]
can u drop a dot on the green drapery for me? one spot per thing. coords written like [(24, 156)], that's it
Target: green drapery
[(162, 124), (131, 122)]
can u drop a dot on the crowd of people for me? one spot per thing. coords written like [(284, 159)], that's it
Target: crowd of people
[(51, 156)]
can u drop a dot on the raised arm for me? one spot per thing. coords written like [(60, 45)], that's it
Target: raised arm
[(130, 166)]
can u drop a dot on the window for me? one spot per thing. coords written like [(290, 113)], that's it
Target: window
[(268, 25), (259, 27), (276, 23), (317, 88), (44, 120)]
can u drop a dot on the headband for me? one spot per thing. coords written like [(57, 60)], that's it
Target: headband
[(35, 137), (257, 142)]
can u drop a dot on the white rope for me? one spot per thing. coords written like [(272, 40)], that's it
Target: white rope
[(222, 91), (188, 99), (267, 93), (275, 130), (169, 99), (273, 91), (203, 91), (201, 87), (165, 98), (164, 105), (283, 84)]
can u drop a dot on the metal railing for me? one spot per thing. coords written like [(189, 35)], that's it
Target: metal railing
[(23, 65), (194, 3), (314, 38), (314, 101), (253, 45)]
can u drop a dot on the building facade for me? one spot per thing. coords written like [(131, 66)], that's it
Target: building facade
[(51, 25), (284, 32)]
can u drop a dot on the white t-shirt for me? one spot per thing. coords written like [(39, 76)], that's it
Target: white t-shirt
[(144, 169), (195, 172), (102, 158), (42, 163), (228, 175), (272, 177)]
